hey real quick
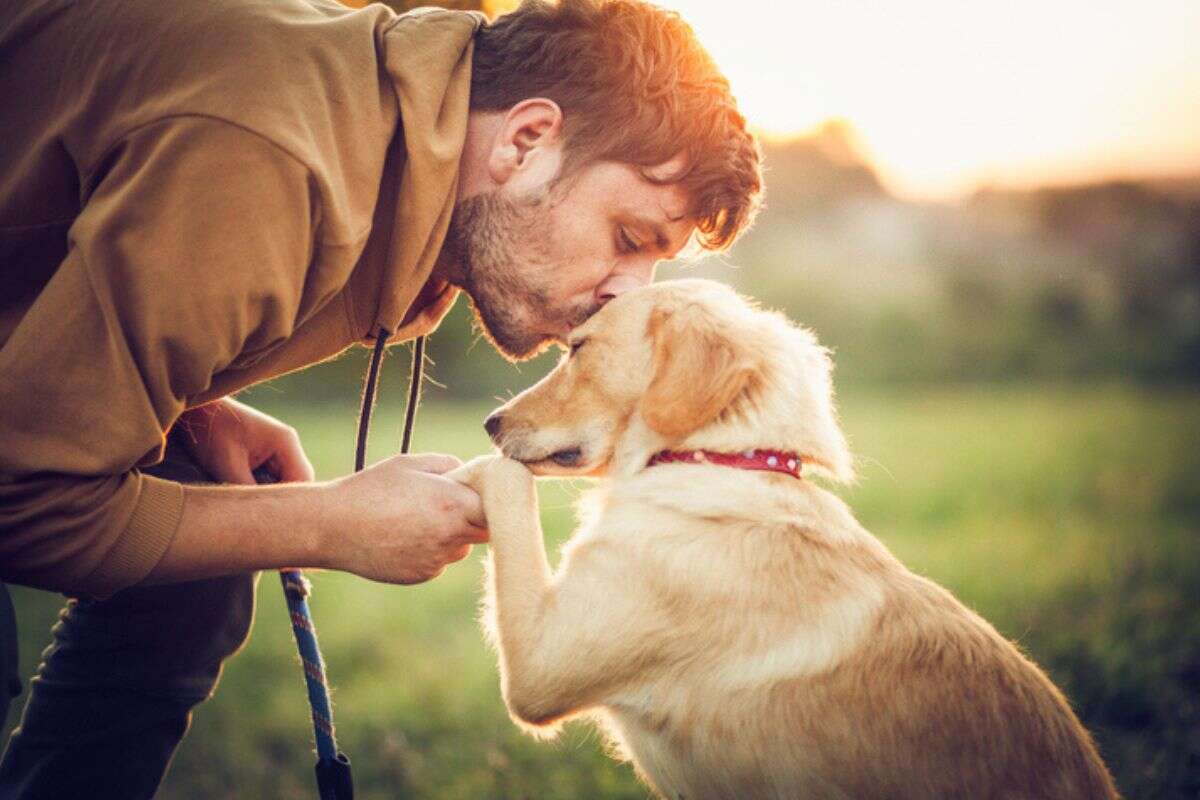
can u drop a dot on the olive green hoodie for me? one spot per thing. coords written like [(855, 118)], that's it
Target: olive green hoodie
[(195, 196)]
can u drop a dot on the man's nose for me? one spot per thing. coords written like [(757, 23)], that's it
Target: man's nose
[(619, 284)]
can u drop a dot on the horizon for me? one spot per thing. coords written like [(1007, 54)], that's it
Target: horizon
[(1184, 177)]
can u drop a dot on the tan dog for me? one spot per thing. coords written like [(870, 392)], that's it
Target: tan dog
[(737, 632)]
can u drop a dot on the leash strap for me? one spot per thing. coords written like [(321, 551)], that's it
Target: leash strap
[(334, 779)]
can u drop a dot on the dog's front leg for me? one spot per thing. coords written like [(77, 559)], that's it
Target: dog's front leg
[(567, 640), (519, 580)]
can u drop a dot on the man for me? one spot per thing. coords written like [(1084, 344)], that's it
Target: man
[(196, 196)]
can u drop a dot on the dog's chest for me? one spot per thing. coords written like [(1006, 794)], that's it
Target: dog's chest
[(703, 722)]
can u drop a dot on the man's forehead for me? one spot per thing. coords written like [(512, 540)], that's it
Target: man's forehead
[(671, 225), (639, 194), (668, 170), (670, 235), (673, 202), (664, 178), (664, 207)]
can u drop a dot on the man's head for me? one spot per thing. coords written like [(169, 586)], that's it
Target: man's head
[(602, 140)]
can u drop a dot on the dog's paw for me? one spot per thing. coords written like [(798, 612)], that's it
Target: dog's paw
[(492, 474), (472, 473)]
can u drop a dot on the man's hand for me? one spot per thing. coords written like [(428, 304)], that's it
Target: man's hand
[(398, 521), (231, 440), (402, 521)]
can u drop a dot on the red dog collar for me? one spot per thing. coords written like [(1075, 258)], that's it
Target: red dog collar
[(768, 460)]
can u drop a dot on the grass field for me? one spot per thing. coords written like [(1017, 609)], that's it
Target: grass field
[(1069, 517)]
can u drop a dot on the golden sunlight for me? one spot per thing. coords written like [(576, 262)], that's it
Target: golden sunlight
[(948, 96)]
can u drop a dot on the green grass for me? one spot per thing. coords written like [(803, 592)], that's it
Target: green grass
[(1069, 517)]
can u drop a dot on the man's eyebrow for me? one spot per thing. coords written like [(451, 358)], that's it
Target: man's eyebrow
[(656, 231)]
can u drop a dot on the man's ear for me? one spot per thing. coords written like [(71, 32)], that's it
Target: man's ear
[(529, 126), (699, 368)]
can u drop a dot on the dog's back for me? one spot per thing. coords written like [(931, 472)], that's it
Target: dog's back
[(951, 708)]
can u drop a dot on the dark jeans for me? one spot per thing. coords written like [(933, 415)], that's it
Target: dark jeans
[(114, 693), (10, 678)]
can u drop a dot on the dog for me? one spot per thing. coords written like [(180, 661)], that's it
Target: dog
[(729, 623)]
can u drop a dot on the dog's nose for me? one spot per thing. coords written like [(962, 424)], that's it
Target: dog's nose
[(492, 425)]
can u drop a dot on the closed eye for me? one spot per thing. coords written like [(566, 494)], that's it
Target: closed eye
[(627, 243), (575, 345)]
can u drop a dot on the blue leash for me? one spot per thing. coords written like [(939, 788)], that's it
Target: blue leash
[(334, 778)]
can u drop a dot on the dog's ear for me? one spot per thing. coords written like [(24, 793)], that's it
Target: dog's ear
[(699, 368)]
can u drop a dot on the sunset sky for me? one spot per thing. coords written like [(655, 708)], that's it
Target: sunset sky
[(950, 95)]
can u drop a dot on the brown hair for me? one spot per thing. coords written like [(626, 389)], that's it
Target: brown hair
[(635, 86)]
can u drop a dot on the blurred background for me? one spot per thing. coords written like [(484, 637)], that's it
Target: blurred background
[(992, 215)]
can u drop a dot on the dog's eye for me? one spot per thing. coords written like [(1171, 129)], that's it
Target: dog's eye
[(578, 343)]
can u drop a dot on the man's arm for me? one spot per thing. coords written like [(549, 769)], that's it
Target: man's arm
[(398, 521), (193, 248)]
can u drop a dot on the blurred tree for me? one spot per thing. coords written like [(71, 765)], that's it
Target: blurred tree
[(1060, 310), (810, 171)]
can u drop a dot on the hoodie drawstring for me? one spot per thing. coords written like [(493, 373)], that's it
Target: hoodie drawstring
[(415, 379), (371, 381)]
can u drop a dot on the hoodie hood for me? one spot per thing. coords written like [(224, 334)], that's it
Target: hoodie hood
[(427, 56)]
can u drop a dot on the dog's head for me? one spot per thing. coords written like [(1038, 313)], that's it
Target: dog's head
[(684, 364)]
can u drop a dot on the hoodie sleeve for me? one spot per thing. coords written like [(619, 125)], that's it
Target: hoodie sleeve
[(191, 251)]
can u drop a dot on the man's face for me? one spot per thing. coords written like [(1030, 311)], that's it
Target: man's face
[(537, 260)]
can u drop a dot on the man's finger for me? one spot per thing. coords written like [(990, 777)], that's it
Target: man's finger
[(436, 463), (458, 553), (233, 466), (475, 535), (473, 507), (292, 465)]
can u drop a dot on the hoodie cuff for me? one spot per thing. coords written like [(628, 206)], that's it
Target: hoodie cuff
[(145, 540)]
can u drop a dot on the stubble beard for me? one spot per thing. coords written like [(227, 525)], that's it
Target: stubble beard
[(501, 246)]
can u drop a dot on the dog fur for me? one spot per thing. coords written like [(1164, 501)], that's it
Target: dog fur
[(739, 634)]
